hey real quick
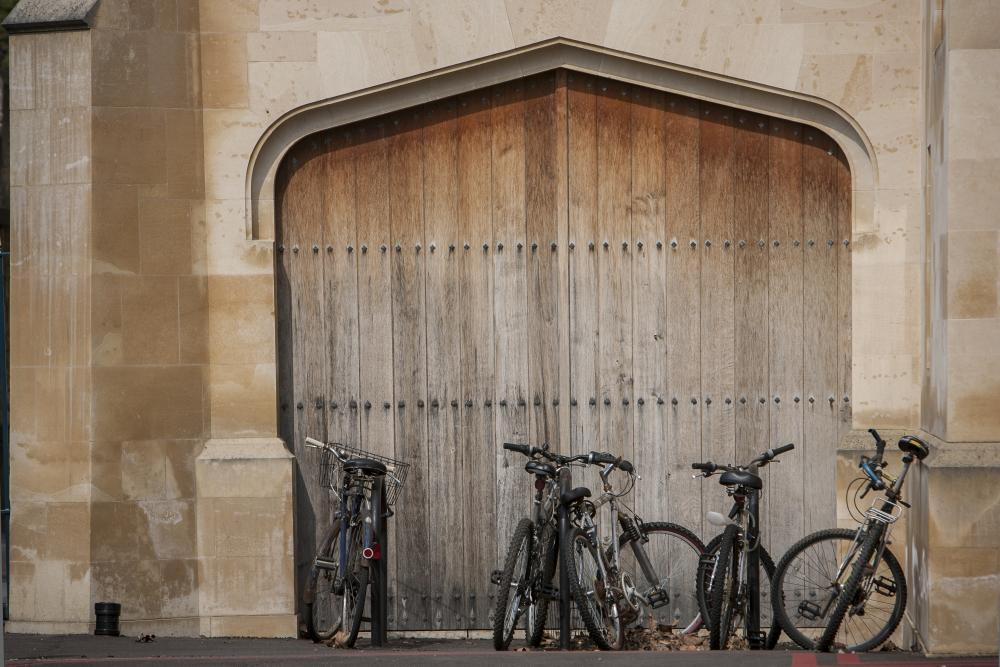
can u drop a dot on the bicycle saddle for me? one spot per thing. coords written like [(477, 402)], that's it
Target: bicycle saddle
[(741, 478), (540, 468), (914, 446), (367, 466), (574, 496)]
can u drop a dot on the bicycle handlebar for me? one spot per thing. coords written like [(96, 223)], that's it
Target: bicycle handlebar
[(770, 455), (595, 458)]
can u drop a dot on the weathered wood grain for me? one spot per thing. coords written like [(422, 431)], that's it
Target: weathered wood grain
[(844, 215), (444, 364), (785, 488), (413, 537), (585, 416), (614, 296), (820, 308), (717, 299), (684, 504), (478, 483), (510, 309)]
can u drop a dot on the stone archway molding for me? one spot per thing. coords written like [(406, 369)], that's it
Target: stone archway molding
[(543, 56)]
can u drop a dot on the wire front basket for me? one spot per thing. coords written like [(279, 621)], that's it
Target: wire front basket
[(331, 470)]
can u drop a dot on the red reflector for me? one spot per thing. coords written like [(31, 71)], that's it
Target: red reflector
[(539, 484)]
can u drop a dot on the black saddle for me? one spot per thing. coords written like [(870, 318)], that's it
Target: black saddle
[(575, 496), (540, 468), (914, 446), (367, 466), (741, 478)]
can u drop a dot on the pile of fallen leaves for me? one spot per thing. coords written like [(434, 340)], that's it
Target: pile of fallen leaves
[(664, 638)]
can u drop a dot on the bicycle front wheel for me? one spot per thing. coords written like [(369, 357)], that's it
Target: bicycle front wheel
[(514, 580), (724, 607), (806, 585), (590, 591), (546, 554), (335, 599)]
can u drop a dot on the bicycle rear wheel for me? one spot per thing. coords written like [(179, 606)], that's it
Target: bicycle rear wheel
[(334, 600), (766, 575), (674, 553), (805, 590)]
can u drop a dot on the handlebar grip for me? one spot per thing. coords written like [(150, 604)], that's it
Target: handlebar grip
[(879, 442), (626, 466), (707, 467), (602, 457), (784, 448), (523, 449), (311, 442)]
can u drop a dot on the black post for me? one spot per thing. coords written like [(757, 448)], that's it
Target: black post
[(753, 575), (379, 606), (565, 606)]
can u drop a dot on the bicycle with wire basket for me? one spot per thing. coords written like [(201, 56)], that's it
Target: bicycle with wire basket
[(350, 556), (608, 582), (728, 580), (844, 585)]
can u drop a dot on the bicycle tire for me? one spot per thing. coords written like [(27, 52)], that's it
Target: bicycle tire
[(778, 589), (519, 543), (720, 613), (318, 630), (596, 627), (847, 596), (682, 533), (547, 555), (704, 582)]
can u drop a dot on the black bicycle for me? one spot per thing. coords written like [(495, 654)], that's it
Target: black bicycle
[(366, 486), (842, 587), (644, 565), (728, 581)]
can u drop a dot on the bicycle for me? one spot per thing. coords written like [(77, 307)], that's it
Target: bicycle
[(366, 486), (529, 568), (837, 573), (610, 595), (728, 582)]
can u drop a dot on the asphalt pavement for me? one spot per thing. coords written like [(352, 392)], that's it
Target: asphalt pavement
[(84, 650)]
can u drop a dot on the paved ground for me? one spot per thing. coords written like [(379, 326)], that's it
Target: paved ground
[(81, 650)]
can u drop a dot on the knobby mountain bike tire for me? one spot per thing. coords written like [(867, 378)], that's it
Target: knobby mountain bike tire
[(513, 580), (704, 581), (724, 591), (589, 591), (546, 556), (812, 563), (327, 609)]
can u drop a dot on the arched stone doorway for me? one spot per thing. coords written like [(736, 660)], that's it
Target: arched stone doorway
[(569, 259)]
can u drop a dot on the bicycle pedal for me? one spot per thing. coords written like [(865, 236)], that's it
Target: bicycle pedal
[(885, 586), (809, 610), (658, 598), (707, 559), (324, 564), (495, 577)]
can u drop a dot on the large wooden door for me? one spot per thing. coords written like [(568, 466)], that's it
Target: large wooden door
[(571, 260)]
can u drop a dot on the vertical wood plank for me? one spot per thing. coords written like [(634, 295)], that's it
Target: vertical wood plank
[(377, 427), (510, 311), (340, 345), (614, 298), (478, 482), (751, 290), (843, 240), (409, 361), (786, 493), (581, 106), (717, 299), (302, 213), (544, 282), (444, 363), (649, 316), (684, 494), (820, 308)]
